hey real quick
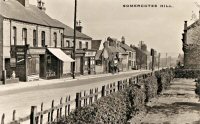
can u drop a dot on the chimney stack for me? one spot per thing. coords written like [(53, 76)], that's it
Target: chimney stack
[(25, 3), (41, 5), (123, 40), (185, 26), (79, 27)]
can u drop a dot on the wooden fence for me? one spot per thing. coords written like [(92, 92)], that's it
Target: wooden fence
[(82, 99)]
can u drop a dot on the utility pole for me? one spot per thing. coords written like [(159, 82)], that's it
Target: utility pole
[(74, 48), (158, 61), (166, 60), (153, 55)]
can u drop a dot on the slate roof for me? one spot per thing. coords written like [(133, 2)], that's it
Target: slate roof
[(69, 32), (98, 55), (14, 10), (126, 47), (96, 44)]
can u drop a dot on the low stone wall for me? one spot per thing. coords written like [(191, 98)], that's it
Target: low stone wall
[(119, 107)]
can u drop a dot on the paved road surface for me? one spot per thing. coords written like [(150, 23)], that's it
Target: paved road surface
[(22, 99), (178, 105)]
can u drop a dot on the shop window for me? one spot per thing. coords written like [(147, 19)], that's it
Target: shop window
[(34, 38), (80, 44), (24, 36), (55, 39), (43, 39), (14, 36)]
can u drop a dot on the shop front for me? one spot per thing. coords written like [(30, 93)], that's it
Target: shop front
[(35, 63), (89, 67)]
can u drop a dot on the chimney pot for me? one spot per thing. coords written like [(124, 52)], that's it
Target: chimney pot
[(79, 28), (185, 26)]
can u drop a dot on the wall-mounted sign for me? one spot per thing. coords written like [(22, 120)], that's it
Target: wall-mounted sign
[(88, 53), (37, 51)]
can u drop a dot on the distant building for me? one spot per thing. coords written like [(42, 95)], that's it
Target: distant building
[(115, 54), (131, 54), (191, 45)]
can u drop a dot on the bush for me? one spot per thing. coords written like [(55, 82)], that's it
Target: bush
[(164, 77), (151, 87)]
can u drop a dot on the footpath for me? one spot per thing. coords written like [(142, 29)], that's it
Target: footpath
[(177, 105), (43, 82)]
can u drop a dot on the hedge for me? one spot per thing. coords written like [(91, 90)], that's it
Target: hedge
[(187, 73), (119, 107)]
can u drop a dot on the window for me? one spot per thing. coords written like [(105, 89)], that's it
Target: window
[(55, 39), (129, 54), (43, 39), (14, 36), (34, 38), (24, 36), (86, 45), (80, 44), (61, 37), (67, 43)]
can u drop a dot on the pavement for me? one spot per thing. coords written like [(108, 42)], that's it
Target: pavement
[(177, 105), (43, 82)]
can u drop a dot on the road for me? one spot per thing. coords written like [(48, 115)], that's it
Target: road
[(22, 99), (178, 105)]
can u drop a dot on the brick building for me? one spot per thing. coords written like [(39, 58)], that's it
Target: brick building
[(191, 45), (31, 41), (85, 54)]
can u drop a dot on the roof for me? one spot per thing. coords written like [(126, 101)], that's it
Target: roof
[(69, 32), (196, 23), (14, 10), (98, 55), (96, 44), (126, 47), (137, 49), (121, 50)]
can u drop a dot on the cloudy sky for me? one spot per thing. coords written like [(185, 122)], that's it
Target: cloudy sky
[(159, 28)]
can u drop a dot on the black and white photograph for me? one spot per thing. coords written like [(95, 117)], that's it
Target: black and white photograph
[(99, 62)]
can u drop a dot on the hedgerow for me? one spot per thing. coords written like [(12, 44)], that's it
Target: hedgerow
[(119, 107)]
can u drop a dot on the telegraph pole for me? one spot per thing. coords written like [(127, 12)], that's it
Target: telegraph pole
[(158, 61), (74, 48)]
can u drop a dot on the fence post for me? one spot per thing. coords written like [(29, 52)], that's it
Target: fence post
[(69, 105), (14, 113), (66, 100), (103, 91), (33, 115), (52, 106), (4, 77), (78, 100), (84, 101), (130, 81), (41, 117), (119, 86), (2, 119), (61, 107), (96, 92)]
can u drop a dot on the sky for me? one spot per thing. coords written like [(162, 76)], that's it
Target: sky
[(160, 28)]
